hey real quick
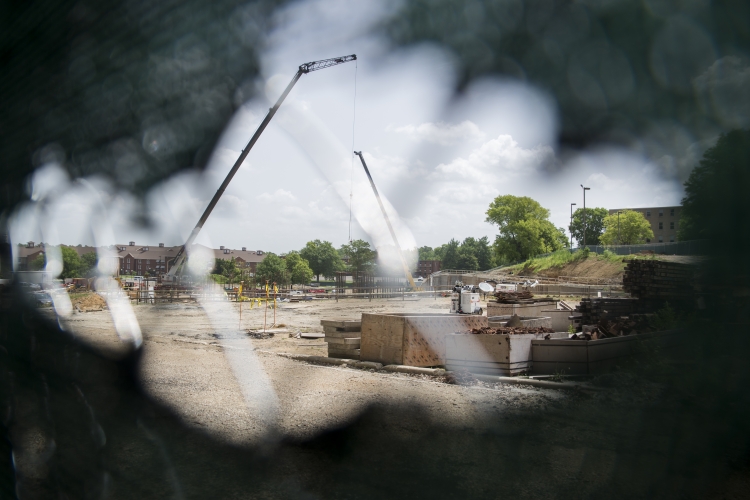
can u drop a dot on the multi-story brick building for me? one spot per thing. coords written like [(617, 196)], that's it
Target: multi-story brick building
[(158, 260), (664, 221), (427, 267), (135, 259)]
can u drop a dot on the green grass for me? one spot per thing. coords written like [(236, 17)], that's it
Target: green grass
[(563, 257)]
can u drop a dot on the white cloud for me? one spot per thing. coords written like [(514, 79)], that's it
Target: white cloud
[(601, 181), (277, 196), (498, 158), (441, 133)]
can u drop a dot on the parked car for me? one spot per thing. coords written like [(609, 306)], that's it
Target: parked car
[(29, 287), (42, 298)]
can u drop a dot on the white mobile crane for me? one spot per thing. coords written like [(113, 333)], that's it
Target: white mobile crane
[(179, 260), (388, 222)]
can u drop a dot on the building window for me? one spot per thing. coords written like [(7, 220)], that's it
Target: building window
[(648, 240), (671, 239), (648, 213), (661, 239), (661, 225), (671, 212), (661, 212), (671, 225)]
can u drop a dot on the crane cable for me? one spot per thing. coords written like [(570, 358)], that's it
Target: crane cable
[(351, 185)]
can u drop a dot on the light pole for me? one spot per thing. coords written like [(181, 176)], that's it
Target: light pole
[(571, 225), (584, 213), (618, 227)]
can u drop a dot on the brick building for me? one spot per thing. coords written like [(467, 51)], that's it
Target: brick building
[(664, 221), (138, 260), (158, 260), (427, 267)]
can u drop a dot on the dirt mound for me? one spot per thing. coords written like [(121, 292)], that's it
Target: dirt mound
[(89, 302), (588, 268)]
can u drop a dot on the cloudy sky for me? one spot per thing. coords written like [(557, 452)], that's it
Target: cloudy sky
[(437, 158)]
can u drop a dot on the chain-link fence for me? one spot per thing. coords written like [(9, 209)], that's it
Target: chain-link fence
[(694, 247)]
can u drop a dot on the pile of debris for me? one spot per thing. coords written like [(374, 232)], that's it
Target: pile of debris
[(619, 327), (343, 338), (511, 330), (505, 297), (259, 335), (461, 377)]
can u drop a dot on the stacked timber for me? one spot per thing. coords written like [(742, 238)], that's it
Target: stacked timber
[(658, 280), (594, 310), (343, 338)]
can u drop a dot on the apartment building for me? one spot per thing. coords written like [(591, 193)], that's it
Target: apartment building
[(158, 260), (427, 267), (664, 221), (141, 259)]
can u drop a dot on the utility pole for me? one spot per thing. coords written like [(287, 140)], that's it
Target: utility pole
[(584, 213), (618, 228), (570, 229)]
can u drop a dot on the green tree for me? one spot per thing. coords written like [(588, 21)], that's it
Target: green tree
[(322, 258), (361, 256), (715, 203), (89, 261), (298, 268), (38, 262), (227, 268), (440, 252), (594, 224), (273, 269), (633, 229), (465, 259), (71, 263), (449, 254), (480, 249), (524, 228), (427, 253)]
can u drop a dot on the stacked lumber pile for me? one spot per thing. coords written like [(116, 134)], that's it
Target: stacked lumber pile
[(594, 310), (343, 338), (659, 280), (510, 330)]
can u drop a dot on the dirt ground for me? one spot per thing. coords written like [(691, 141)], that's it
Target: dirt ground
[(194, 371)]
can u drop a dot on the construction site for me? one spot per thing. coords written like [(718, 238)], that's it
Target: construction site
[(458, 342), (456, 381)]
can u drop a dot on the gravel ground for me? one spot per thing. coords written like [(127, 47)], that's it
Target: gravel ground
[(187, 365)]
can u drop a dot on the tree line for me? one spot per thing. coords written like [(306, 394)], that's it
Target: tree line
[(74, 266), (524, 230), (317, 258)]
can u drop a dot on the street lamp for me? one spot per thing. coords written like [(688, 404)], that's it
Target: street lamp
[(584, 213), (571, 225)]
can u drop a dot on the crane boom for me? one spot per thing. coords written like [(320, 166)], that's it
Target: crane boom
[(302, 70), (388, 222)]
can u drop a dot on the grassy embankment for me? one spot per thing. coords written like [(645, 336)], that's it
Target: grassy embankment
[(565, 263)]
